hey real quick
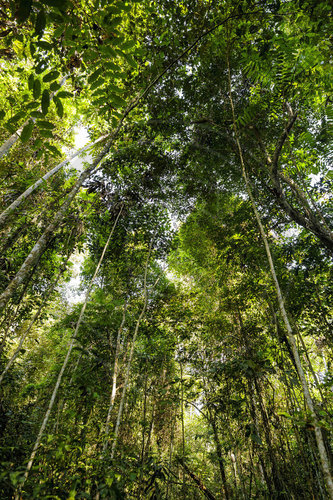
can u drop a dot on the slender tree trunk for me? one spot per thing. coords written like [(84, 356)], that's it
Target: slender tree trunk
[(62, 404), (26, 332), (276, 476), (114, 380), (183, 427), (6, 213), (143, 436), (64, 365), (14, 314), (208, 494), (170, 459), (219, 456), (129, 363), (319, 438), (40, 246), (262, 465)]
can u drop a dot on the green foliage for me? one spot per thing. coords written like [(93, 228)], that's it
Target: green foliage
[(213, 400)]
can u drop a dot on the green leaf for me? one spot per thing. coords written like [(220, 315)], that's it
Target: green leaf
[(44, 45), (32, 48), (23, 10), (128, 45), (114, 22), (45, 101), (45, 124), (58, 31), (52, 75), (27, 132), (108, 51), (125, 7), (64, 94), (41, 66), (55, 86), (111, 65), (130, 60), (95, 75), (60, 4), (2, 114), (17, 117), (117, 101), (37, 114), (46, 133), (36, 89), (99, 102), (114, 88), (32, 105), (53, 149), (31, 81), (97, 83), (59, 106), (40, 22), (10, 128)]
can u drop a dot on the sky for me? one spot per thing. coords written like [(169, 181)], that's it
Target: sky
[(70, 289)]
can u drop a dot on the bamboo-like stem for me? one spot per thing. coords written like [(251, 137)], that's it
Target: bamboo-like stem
[(129, 362), (39, 247), (114, 381), (290, 336), (182, 423), (64, 365), (9, 210), (26, 332)]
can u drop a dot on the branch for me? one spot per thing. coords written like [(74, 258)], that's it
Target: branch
[(281, 142), (208, 494)]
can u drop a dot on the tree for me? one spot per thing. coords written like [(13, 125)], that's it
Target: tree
[(200, 362)]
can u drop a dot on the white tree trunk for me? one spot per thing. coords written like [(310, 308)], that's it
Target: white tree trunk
[(25, 333), (40, 246), (5, 214), (129, 363), (114, 381), (324, 460), (64, 365)]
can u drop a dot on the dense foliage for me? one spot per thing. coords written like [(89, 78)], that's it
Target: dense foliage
[(193, 359)]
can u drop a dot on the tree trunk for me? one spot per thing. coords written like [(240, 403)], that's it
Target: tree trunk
[(129, 363), (208, 494), (40, 246), (26, 332), (114, 380), (6, 213), (319, 438), (64, 365)]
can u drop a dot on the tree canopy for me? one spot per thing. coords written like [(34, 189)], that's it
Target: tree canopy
[(166, 301)]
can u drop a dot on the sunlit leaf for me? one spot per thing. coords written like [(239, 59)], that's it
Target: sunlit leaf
[(45, 101), (27, 131)]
